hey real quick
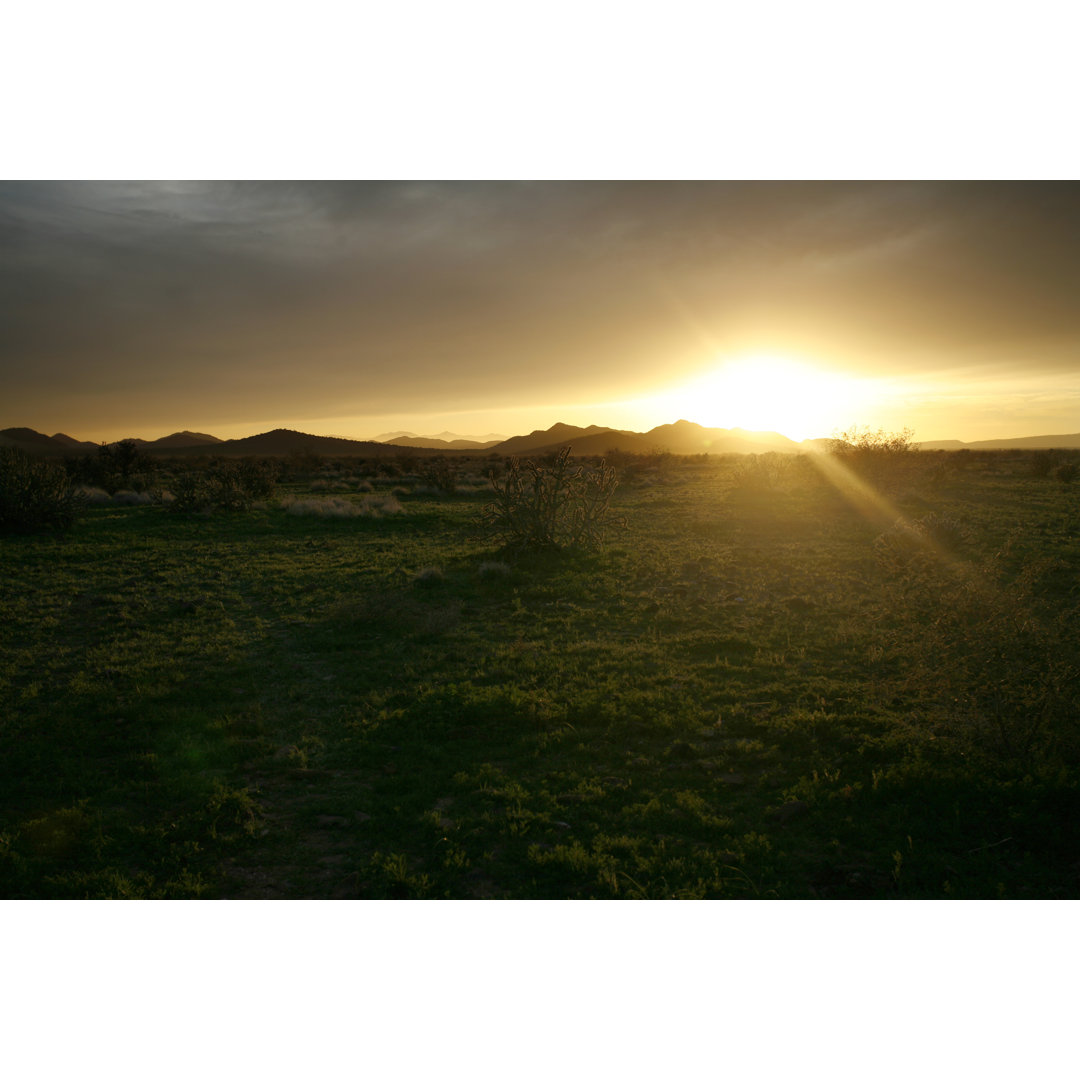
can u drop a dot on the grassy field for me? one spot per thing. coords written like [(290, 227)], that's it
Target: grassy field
[(762, 687)]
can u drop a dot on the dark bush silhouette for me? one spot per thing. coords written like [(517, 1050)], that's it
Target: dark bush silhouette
[(114, 466), (1043, 462), (866, 450), (35, 494), (550, 504), (439, 473), (224, 485)]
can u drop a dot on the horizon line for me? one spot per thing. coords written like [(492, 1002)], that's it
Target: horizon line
[(739, 431)]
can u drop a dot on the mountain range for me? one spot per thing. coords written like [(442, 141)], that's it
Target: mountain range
[(445, 440), (682, 437), (435, 443)]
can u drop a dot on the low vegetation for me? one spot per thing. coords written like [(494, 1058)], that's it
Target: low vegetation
[(781, 678)]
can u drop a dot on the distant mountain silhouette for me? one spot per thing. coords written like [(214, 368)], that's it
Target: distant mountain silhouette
[(682, 437), (73, 444), (439, 444), (554, 437), (282, 441), (441, 441), (1029, 442), (686, 437), (33, 442), (183, 438)]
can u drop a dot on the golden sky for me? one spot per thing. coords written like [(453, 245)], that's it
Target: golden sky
[(131, 308)]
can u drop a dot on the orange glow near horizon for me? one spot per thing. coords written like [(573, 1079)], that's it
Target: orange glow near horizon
[(796, 396)]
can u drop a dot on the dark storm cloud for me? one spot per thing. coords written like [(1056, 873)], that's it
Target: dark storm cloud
[(335, 296)]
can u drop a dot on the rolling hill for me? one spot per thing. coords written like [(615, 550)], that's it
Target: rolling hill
[(182, 439), (33, 442), (552, 438), (1030, 442), (682, 437), (436, 443), (282, 441)]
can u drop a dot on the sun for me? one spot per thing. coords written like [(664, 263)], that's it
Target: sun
[(770, 393)]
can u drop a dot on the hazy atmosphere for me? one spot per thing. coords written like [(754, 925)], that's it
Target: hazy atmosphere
[(357, 309)]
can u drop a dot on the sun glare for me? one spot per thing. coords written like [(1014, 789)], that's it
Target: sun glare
[(769, 393)]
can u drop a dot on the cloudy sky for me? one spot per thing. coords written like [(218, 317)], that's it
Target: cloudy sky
[(361, 308)]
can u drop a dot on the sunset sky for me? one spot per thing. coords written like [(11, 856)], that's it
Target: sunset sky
[(356, 309)]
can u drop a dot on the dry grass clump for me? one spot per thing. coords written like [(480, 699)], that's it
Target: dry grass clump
[(382, 505), (920, 544), (321, 508), (429, 577), (763, 472), (371, 506), (132, 498)]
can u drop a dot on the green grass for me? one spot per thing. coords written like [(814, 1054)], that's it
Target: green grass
[(737, 698)]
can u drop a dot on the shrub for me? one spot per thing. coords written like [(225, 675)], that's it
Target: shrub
[(35, 494), (988, 666), (124, 460), (873, 453), (911, 547), (1066, 472), (225, 485), (439, 475), (114, 466), (762, 472), (1043, 462), (550, 504), (303, 461)]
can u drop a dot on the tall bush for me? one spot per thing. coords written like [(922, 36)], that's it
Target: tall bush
[(554, 503), (114, 466), (35, 494)]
